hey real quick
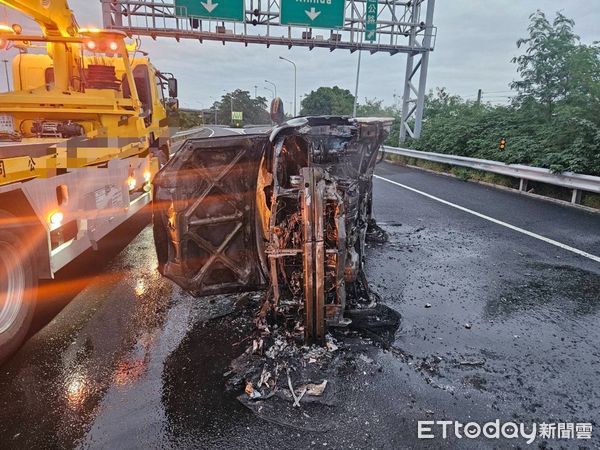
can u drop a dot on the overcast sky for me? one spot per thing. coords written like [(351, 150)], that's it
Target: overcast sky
[(475, 43)]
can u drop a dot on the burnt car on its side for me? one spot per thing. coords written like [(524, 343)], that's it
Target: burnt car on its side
[(288, 212)]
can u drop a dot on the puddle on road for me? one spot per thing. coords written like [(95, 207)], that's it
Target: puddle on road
[(193, 389), (153, 389), (53, 388), (568, 290)]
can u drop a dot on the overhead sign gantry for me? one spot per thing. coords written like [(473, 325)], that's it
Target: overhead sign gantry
[(209, 9), (391, 26), (313, 13), (371, 20)]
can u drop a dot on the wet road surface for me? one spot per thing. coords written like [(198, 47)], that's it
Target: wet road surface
[(210, 131), (495, 325)]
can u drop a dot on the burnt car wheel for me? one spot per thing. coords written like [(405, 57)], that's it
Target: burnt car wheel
[(161, 239)]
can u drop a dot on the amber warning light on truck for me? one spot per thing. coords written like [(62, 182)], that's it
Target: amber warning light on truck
[(100, 45)]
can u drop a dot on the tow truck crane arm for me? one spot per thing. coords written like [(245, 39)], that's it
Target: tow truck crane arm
[(55, 19)]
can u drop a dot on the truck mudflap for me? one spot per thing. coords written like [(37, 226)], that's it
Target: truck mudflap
[(205, 215)]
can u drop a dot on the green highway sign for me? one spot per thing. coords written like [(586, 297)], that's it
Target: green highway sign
[(313, 13), (371, 20), (211, 9), (237, 115)]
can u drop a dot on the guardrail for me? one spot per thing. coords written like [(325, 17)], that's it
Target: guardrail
[(575, 181), (185, 134)]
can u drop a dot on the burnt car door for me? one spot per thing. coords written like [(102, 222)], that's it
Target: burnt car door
[(204, 215)]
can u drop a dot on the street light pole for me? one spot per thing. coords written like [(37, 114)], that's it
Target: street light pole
[(214, 107), (271, 91), (295, 80), (274, 87)]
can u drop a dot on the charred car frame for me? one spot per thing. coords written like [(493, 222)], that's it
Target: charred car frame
[(289, 211)]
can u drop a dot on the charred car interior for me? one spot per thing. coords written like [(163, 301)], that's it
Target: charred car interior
[(288, 212)]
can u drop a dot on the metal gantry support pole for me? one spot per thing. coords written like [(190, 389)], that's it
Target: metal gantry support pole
[(356, 87), (111, 13), (413, 98)]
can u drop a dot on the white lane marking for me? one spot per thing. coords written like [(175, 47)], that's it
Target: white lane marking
[(178, 144), (237, 130), (496, 221)]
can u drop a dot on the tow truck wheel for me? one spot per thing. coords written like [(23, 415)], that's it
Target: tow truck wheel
[(18, 284)]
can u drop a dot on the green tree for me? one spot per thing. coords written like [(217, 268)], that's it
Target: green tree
[(189, 120), (328, 101), (554, 121), (375, 108), (546, 67), (560, 85), (254, 109)]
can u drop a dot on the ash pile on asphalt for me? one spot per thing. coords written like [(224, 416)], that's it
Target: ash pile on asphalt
[(295, 385)]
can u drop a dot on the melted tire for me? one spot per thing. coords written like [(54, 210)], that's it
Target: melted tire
[(161, 240)]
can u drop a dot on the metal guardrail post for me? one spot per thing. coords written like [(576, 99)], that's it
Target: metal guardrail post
[(523, 185)]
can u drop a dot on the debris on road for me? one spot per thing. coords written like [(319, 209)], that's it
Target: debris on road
[(284, 381), (330, 344), (316, 390), (375, 234), (251, 392), (289, 380)]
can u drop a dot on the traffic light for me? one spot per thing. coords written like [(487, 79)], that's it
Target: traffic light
[(502, 144)]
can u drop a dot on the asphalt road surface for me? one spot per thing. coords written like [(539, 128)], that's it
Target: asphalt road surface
[(220, 131), (499, 295), (209, 131)]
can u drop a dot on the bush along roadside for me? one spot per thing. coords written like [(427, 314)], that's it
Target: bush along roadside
[(550, 118)]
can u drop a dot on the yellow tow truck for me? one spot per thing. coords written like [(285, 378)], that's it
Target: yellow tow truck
[(82, 134)]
